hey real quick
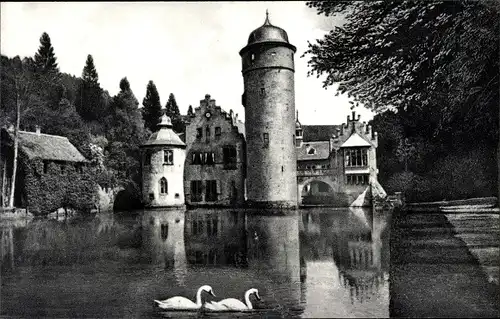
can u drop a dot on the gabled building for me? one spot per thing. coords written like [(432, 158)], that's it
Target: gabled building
[(214, 171), (51, 173), (337, 164)]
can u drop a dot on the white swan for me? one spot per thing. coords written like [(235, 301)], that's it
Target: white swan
[(182, 303), (232, 303)]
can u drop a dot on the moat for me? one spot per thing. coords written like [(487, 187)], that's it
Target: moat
[(321, 262)]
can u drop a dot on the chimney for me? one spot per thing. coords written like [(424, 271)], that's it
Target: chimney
[(37, 129)]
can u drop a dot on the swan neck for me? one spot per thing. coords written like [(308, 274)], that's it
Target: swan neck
[(247, 300), (198, 297)]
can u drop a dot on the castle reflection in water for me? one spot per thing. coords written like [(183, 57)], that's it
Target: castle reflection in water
[(315, 259)]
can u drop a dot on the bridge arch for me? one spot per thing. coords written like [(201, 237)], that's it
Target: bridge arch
[(315, 190)]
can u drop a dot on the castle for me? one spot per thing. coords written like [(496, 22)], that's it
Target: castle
[(271, 160)]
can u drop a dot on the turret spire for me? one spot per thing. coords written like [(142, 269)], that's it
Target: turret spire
[(267, 22)]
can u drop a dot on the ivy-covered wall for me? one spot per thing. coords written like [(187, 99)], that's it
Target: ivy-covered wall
[(49, 185)]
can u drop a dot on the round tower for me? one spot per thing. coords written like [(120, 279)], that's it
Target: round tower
[(269, 101), (163, 157)]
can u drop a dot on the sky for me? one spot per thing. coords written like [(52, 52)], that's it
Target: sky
[(186, 48)]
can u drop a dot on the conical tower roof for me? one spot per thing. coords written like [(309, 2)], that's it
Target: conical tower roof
[(165, 136)]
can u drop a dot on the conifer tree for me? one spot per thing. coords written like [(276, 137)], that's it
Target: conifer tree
[(88, 102), (190, 111), (45, 58), (152, 107), (89, 73), (172, 110)]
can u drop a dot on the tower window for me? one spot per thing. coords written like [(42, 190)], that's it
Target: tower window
[(217, 131), (164, 231), (168, 157), (293, 139), (265, 137), (45, 167), (163, 186), (252, 57), (207, 133), (199, 132)]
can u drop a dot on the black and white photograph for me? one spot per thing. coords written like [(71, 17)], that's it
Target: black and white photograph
[(250, 159)]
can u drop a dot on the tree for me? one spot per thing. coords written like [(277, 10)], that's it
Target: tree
[(89, 74), (125, 133), (89, 102), (434, 63), (190, 111), (45, 58), (172, 110), (409, 54), (152, 107)]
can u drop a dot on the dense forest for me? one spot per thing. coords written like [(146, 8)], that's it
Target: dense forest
[(106, 129), (430, 71)]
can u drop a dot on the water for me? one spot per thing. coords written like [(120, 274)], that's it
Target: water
[(310, 263)]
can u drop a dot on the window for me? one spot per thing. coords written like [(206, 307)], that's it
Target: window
[(196, 158), (311, 151), (265, 137), (209, 158), (79, 168), (168, 157), (212, 225), (151, 196), (163, 186), (199, 132), (211, 191), (196, 191), (217, 132), (63, 167), (164, 231), (262, 91), (207, 133), (356, 157), (358, 179), (229, 157), (252, 57), (293, 139), (196, 226), (45, 167)]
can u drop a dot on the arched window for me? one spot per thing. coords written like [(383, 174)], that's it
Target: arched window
[(163, 186)]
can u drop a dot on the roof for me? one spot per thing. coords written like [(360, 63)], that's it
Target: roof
[(165, 136), (355, 140), (313, 133), (321, 151), (268, 33), (48, 147)]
